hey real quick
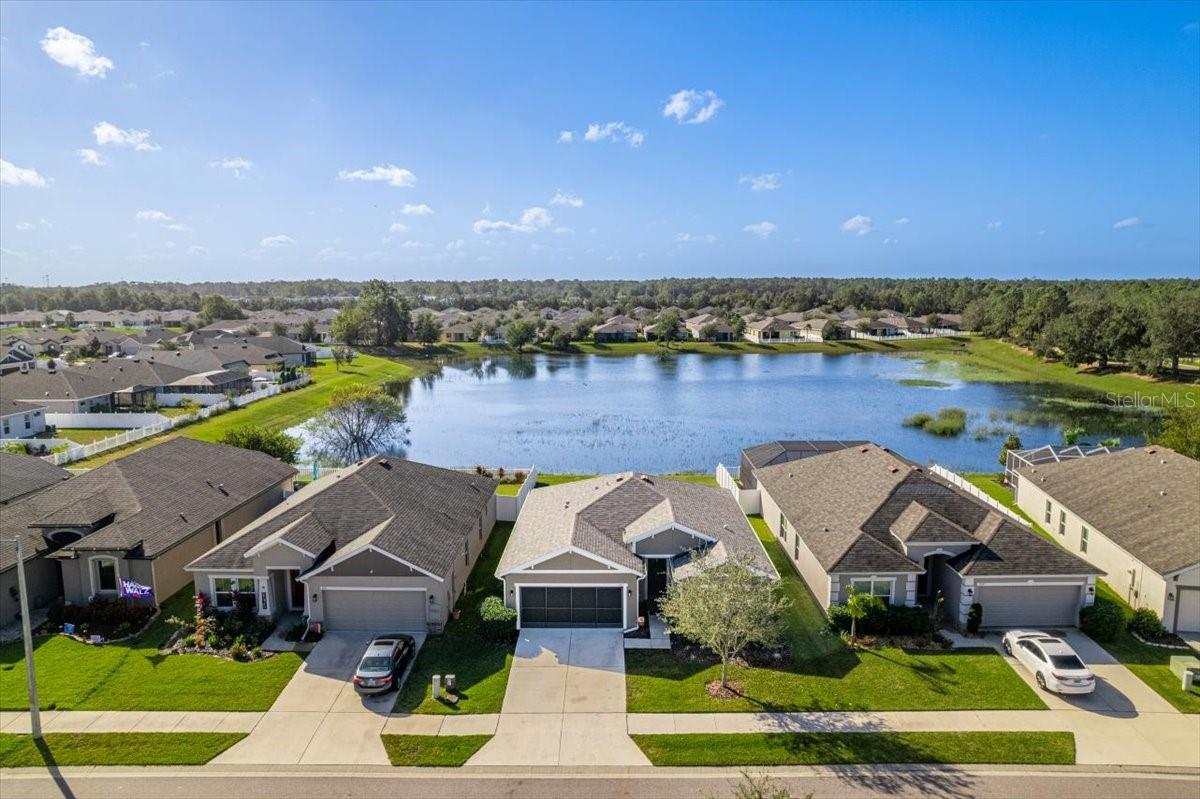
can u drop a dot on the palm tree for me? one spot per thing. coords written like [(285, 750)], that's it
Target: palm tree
[(858, 605)]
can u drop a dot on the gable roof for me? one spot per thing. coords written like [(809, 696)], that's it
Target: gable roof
[(156, 497), (773, 452), (418, 513), (24, 474), (1146, 500), (52, 384), (856, 508), (601, 516)]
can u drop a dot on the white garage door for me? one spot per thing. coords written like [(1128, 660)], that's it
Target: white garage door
[(395, 611), (1029, 605), (1187, 618)]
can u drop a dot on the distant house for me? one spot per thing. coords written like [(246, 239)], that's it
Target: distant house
[(862, 518), (22, 475), (775, 330), (382, 544), (459, 332), (590, 553), (12, 359), (101, 342), (616, 329), (142, 517), (37, 343), (21, 419), (1132, 513), (721, 329)]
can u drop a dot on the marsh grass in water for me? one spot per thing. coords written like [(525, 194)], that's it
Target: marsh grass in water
[(922, 382), (948, 422)]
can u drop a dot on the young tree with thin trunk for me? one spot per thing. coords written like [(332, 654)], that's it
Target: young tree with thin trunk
[(360, 421), (858, 605), (724, 607)]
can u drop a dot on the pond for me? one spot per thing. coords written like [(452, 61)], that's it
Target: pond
[(687, 412)]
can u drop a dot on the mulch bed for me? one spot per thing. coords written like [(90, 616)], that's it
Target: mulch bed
[(732, 690)]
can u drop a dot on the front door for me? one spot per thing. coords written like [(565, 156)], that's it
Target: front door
[(656, 581), (295, 591)]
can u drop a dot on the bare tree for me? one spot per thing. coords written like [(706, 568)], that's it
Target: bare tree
[(360, 421)]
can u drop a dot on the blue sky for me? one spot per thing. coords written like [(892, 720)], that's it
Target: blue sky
[(243, 141)]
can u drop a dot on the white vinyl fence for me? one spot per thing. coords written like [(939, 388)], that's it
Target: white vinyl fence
[(104, 421), (508, 508), (78, 453), (975, 491), (748, 499)]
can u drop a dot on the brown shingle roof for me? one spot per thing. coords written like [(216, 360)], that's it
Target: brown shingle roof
[(24, 474), (1146, 500)]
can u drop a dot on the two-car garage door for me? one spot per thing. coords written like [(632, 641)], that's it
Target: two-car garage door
[(399, 611), (571, 606), (1029, 605)]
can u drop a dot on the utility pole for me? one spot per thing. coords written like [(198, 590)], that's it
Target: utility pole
[(35, 718)]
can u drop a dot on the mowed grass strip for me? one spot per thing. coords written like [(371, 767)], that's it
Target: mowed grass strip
[(134, 676), (432, 750), (824, 673), (115, 749), (480, 666), (829, 748)]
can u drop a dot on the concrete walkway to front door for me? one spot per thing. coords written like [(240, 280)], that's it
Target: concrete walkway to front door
[(565, 703)]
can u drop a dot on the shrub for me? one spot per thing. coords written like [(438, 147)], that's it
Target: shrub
[(1145, 622), (1103, 620), (275, 443), (890, 620), (974, 618), (497, 622), (109, 618)]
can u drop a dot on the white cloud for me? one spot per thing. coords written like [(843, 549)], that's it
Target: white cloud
[(413, 245), (566, 136), (457, 244), (235, 165), (90, 156), (76, 52), (904, 220), (703, 238), (176, 226), (197, 251), (151, 215), (615, 131), (765, 182), (13, 175), (420, 209), (397, 227), (532, 220), (277, 241), (566, 199), (995, 224), (761, 229), (108, 133), (387, 173), (859, 225), (889, 241), (25, 226), (1128, 222), (691, 107)]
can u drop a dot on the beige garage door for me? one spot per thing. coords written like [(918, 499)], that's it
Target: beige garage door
[(1187, 619), (393, 611), (1029, 605)]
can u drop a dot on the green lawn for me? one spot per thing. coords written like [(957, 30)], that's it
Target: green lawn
[(115, 749), (86, 435), (825, 674), (481, 667), (1151, 664), (811, 749), (134, 676), (432, 750), (281, 411)]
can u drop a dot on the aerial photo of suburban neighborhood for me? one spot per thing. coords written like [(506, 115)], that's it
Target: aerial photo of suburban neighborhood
[(599, 399)]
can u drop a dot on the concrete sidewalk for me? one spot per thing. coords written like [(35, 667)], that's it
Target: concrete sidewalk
[(93, 721)]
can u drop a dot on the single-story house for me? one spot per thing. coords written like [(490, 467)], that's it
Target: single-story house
[(459, 332), (59, 390), (133, 382), (21, 419), (142, 517), (383, 544), (38, 343), (864, 518), (616, 328), (773, 330), (1132, 513), (101, 342), (592, 552), (22, 475), (721, 329), (13, 359), (776, 452)]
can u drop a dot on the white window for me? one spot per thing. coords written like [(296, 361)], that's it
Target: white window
[(226, 588), (104, 575), (1062, 522), (1048, 511), (1083, 540), (881, 588)]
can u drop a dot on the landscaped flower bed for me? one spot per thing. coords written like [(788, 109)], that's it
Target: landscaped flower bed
[(236, 635), (109, 619)]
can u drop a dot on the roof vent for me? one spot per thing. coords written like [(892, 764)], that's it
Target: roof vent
[(384, 463), (645, 478), (1162, 493), (221, 488), (863, 449), (893, 469)]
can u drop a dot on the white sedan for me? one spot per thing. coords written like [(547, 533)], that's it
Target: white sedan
[(1053, 662)]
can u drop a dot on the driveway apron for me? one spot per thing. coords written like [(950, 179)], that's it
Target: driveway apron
[(565, 703)]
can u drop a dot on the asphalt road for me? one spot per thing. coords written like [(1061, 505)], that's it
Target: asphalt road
[(368, 783)]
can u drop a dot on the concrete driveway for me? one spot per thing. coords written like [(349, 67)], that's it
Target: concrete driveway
[(565, 703), (319, 718)]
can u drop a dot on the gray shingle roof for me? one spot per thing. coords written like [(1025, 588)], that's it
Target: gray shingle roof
[(24, 474), (60, 384), (602, 515), (157, 496), (853, 508), (418, 513), (1146, 500), (773, 452)]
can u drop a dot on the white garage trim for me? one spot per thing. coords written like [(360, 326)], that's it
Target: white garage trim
[(365, 588), (622, 586), (1179, 592)]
